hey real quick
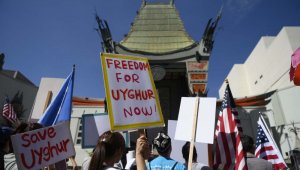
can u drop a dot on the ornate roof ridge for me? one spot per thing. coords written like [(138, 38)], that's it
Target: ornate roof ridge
[(157, 29)]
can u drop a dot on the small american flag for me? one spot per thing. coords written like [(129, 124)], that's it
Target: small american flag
[(229, 149), (266, 147), (8, 112)]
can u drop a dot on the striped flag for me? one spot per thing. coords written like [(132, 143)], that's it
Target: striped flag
[(229, 149), (8, 112), (266, 147)]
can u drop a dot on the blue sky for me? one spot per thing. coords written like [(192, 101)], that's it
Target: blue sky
[(44, 38)]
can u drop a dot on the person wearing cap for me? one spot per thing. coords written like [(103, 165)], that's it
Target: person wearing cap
[(162, 144)]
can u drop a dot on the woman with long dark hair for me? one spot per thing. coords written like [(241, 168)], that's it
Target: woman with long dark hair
[(110, 148), (108, 151)]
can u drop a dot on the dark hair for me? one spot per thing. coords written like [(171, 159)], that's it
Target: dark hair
[(186, 150), (247, 143), (162, 143), (108, 144), (25, 127)]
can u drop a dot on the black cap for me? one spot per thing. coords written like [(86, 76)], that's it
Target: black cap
[(162, 142)]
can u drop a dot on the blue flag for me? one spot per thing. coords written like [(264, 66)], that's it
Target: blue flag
[(61, 107)]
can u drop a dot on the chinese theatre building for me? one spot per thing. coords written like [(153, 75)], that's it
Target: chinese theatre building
[(179, 64)]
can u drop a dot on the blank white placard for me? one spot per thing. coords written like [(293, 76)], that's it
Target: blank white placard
[(176, 154), (205, 119), (185, 119)]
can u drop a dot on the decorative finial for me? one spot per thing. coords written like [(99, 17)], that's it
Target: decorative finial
[(226, 81)]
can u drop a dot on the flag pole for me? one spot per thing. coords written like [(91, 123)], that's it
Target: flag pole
[(65, 94), (264, 122), (63, 164), (266, 127), (226, 81), (192, 143), (229, 149), (270, 137)]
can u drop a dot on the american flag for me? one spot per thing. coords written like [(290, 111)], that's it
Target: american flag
[(266, 148), (8, 112), (229, 149)]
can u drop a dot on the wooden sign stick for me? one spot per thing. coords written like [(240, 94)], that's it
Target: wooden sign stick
[(192, 143), (142, 132)]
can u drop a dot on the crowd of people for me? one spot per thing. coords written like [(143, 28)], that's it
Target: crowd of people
[(108, 152), (111, 147)]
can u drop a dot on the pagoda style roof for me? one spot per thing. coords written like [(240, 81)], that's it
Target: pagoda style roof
[(258, 100), (157, 30)]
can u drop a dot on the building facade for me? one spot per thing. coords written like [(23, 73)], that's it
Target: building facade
[(82, 106), (178, 63), (266, 72), (48, 90), (20, 91)]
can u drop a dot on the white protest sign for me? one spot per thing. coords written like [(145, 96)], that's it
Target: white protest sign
[(42, 147), (93, 127), (205, 120), (202, 148), (132, 99)]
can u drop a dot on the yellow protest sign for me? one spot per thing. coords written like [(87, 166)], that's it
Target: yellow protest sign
[(132, 100)]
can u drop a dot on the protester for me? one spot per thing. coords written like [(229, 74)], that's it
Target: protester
[(10, 159), (86, 163), (73, 162), (109, 150), (142, 152), (195, 165), (5, 133), (162, 144), (253, 163), (130, 163)]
